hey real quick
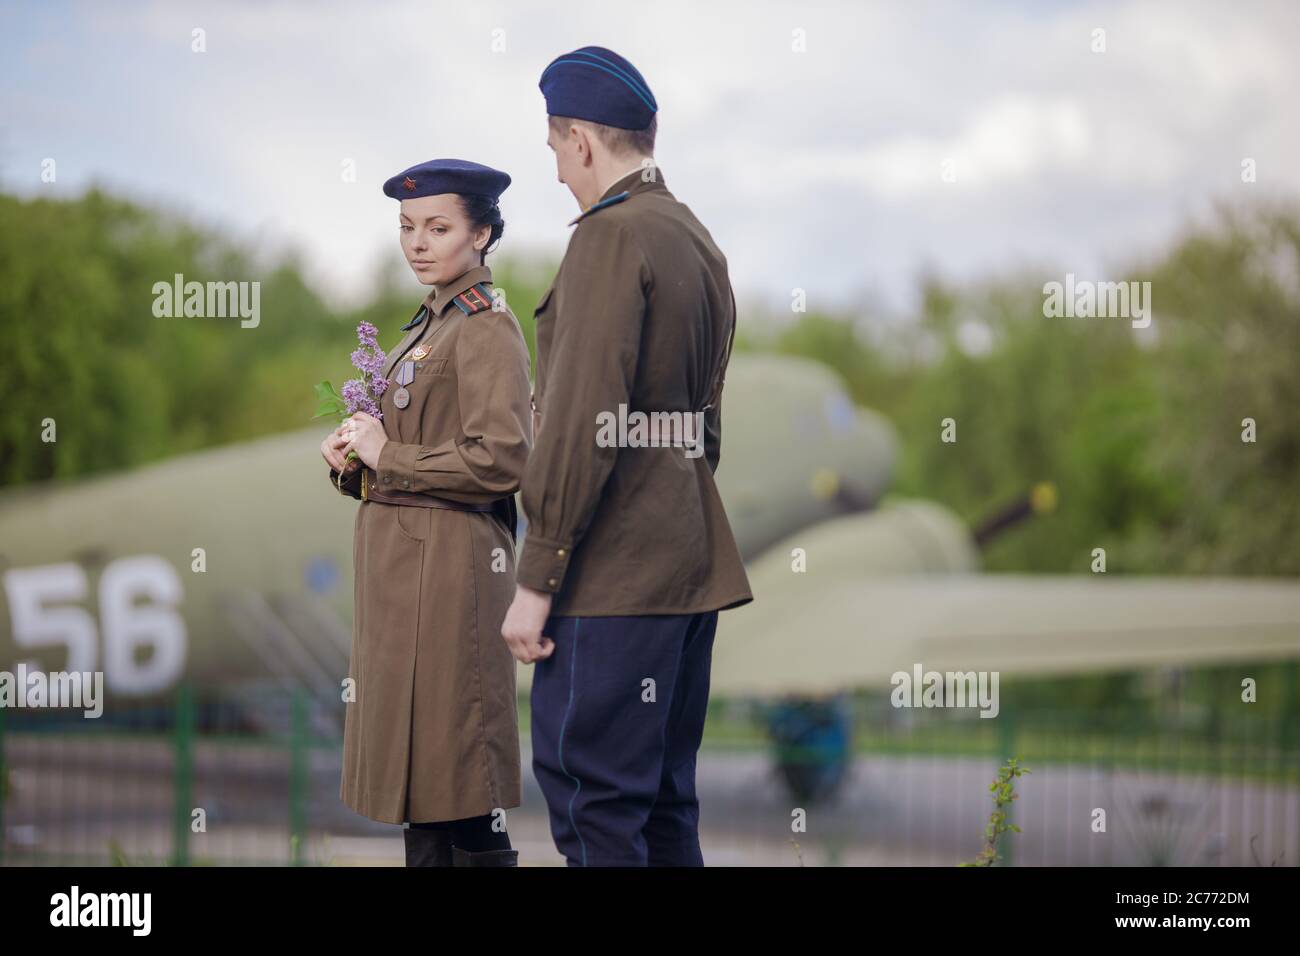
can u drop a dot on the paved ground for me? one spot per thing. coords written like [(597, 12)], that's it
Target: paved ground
[(78, 800)]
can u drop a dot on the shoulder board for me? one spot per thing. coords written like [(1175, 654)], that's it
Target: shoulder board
[(416, 319), (612, 200), (474, 299)]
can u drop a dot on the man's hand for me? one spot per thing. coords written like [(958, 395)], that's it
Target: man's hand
[(523, 625), (365, 435)]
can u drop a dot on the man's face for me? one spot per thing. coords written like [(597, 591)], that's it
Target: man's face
[(568, 156)]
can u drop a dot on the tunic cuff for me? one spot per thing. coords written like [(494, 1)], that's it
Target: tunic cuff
[(396, 469), (351, 485), (543, 564)]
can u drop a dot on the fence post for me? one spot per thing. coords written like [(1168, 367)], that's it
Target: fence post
[(1290, 721), (298, 744), (1291, 707), (4, 785), (183, 775)]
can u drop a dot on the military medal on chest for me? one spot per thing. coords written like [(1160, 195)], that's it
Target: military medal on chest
[(420, 352), (405, 373)]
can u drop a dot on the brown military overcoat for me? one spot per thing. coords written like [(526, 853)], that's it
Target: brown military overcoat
[(432, 733)]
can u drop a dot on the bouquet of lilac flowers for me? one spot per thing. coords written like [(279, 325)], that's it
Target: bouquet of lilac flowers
[(358, 394)]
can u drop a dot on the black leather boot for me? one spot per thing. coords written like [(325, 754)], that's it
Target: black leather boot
[(484, 857), (426, 847)]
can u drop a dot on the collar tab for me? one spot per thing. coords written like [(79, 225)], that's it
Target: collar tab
[(612, 200)]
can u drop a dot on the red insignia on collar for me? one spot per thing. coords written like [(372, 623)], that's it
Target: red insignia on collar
[(473, 299), (409, 183)]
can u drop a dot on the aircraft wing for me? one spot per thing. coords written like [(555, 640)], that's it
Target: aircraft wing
[(884, 591), (814, 634)]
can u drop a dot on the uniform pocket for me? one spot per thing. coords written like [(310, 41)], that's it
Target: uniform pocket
[(412, 521), (433, 365)]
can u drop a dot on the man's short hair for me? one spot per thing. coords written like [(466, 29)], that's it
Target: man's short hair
[(620, 142)]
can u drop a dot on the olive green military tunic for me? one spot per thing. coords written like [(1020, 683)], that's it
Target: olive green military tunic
[(432, 734), (640, 315)]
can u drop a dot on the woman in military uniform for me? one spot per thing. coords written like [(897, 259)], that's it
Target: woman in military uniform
[(431, 733)]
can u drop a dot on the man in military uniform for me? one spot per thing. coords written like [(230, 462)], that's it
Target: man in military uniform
[(628, 556)]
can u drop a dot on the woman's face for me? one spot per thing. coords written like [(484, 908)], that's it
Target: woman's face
[(437, 240)]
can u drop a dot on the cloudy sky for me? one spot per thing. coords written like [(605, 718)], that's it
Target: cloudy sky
[(811, 138)]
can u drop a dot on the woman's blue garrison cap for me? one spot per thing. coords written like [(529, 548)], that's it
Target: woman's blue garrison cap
[(598, 85), (447, 176)]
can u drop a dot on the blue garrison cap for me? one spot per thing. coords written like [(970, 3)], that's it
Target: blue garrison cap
[(447, 176), (598, 85)]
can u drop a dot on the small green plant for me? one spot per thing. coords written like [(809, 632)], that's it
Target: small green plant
[(798, 850), (1003, 794), (117, 855)]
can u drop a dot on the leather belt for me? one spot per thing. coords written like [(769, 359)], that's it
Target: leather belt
[(369, 492)]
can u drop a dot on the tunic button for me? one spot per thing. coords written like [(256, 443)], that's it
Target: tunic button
[(388, 479), (560, 552), (551, 581)]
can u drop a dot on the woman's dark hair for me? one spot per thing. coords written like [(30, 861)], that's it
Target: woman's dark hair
[(483, 211)]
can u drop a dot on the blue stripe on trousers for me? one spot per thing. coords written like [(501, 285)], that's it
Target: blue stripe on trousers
[(573, 664)]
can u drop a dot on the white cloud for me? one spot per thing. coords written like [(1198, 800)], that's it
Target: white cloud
[(819, 169)]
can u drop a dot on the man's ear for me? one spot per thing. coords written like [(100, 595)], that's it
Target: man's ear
[(585, 142)]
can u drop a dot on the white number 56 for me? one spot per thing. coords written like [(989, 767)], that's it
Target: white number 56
[(127, 626)]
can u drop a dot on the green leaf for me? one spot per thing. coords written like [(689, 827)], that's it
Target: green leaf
[(325, 392), (330, 411), (332, 404)]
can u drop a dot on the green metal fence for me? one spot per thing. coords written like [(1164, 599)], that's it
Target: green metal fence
[(256, 781), (188, 783)]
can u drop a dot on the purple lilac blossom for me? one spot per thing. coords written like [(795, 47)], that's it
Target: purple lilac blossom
[(361, 394), (371, 363), (366, 335), (354, 393)]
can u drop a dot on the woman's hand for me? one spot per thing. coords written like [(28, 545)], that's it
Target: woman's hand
[(364, 434), (334, 448)]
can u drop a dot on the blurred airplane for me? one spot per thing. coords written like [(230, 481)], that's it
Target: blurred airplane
[(231, 567)]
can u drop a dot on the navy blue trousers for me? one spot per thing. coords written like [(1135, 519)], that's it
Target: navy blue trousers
[(617, 716)]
